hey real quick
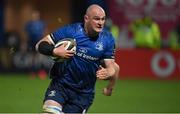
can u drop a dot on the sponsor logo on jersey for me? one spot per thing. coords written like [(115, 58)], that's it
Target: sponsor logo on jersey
[(83, 50), (83, 53)]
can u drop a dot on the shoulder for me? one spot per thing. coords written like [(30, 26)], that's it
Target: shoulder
[(107, 38), (107, 35), (69, 30), (72, 26)]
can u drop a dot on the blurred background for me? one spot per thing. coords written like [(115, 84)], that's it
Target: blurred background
[(147, 35)]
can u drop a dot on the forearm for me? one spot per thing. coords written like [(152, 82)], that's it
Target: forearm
[(109, 88), (45, 47), (110, 72), (113, 79), (111, 83)]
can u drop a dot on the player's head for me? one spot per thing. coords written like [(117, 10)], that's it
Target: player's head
[(35, 15), (94, 19)]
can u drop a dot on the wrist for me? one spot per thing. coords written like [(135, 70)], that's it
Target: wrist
[(45, 48), (54, 52), (111, 73)]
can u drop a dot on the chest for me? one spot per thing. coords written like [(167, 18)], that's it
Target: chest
[(90, 49)]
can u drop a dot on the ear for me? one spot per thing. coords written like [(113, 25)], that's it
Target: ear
[(85, 18)]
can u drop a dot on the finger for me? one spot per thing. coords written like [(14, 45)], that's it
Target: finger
[(69, 55), (70, 52), (100, 74), (100, 67), (104, 77), (100, 71), (101, 77)]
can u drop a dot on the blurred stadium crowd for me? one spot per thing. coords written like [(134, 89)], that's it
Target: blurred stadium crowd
[(134, 24)]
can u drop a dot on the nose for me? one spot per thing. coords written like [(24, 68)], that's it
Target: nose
[(101, 22)]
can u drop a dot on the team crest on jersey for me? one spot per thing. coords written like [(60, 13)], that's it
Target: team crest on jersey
[(52, 93), (99, 46)]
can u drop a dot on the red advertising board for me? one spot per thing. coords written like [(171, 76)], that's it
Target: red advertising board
[(148, 64)]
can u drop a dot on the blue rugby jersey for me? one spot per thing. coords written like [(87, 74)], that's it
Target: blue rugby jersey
[(35, 30), (79, 72)]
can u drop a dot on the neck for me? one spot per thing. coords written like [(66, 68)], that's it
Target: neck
[(89, 32)]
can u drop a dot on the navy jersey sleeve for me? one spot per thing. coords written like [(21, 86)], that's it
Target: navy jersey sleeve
[(61, 33), (110, 48)]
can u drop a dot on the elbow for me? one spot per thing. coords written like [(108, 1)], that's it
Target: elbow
[(117, 70), (37, 45), (117, 67)]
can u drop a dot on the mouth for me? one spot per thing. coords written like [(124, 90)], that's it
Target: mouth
[(99, 27)]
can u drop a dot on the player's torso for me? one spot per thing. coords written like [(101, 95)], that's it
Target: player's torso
[(89, 49), (88, 54), (80, 70)]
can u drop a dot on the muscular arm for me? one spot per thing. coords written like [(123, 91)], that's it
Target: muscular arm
[(107, 72), (46, 38), (111, 72), (112, 81), (46, 46)]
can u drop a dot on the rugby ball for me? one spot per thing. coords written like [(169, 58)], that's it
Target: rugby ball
[(70, 44)]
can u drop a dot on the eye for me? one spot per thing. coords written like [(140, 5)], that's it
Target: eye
[(96, 18), (103, 19)]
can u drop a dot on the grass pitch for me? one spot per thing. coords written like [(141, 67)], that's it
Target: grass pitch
[(20, 94)]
